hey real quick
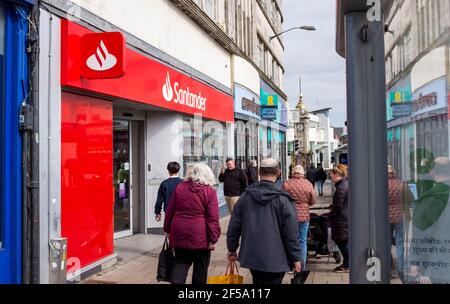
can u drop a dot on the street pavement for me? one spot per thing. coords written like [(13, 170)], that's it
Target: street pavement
[(142, 269)]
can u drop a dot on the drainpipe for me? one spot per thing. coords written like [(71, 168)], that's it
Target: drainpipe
[(366, 109), (34, 146)]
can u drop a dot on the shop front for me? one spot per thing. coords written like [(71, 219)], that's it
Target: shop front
[(247, 112), (273, 126), (124, 116)]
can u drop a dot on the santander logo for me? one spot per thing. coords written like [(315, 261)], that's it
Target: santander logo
[(167, 89), (182, 96), (102, 60)]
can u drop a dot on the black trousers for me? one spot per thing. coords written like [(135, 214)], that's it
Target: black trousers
[(264, 278), (343, 247), (184, 258)]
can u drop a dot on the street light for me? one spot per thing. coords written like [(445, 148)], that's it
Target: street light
[(305, 28)]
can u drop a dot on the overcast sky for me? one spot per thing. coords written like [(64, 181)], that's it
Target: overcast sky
[(314, 55)]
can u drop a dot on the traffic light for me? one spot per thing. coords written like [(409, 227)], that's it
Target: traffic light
[(296, 145), (290, 148)]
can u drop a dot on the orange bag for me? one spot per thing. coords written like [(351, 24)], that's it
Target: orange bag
[(229, 278)]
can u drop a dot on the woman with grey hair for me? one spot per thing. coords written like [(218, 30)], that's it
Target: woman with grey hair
[(304, 196), (192, 222)]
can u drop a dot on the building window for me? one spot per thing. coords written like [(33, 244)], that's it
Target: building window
[(274, 15), (211, 9), (204, 141), (274, 71), (261, 53), (408, 47)]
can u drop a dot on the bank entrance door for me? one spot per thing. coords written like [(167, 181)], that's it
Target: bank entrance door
[(123, 220), (128, 170)]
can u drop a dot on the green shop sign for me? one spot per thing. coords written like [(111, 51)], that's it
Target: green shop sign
[(269, 100), (400, 96)]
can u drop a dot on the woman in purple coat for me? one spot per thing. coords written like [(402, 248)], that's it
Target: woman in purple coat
[(192, 222)]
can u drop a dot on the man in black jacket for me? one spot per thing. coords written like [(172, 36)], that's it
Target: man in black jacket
[(252, 172), (265, 220), (234, 183), (311, 175), (321, 177)]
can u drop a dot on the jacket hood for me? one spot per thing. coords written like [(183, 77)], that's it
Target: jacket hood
[(264, 192), (196, 187)]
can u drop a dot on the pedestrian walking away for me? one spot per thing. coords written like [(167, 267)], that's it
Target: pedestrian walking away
[(321, 177), (304, 196), (234, 183), (252, 172), (311, 175), (166, 189), (264, 223), (192, 222), (400, 199), (339, 219)]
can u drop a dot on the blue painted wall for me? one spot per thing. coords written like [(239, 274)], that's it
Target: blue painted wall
[(15, 90)]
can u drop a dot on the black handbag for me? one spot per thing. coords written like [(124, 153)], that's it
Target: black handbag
[(300, 277), (165, 263)]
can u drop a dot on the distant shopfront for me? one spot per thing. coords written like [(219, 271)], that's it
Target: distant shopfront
[(247, 111), (273, 126)]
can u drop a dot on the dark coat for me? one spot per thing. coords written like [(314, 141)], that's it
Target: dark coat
[(165, 193), (252, 175), (311, 175), (321, 175), (340, 212), (265, 221), (234, 182), (192, 218)]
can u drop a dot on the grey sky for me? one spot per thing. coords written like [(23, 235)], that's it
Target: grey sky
[(314, 55)]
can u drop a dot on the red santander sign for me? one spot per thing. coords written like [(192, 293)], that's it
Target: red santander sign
[(102, 55), (92, 62)]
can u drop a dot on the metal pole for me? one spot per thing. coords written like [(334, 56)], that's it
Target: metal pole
[(34, 183), (366, 106), (25, 208)]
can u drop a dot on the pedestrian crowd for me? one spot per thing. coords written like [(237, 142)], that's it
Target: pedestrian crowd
[(269, 228), (269, 225)]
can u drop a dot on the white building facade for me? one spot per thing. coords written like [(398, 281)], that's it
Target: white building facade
[(190, 91)]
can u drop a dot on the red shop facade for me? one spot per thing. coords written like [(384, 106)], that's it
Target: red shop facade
[(100, 76)]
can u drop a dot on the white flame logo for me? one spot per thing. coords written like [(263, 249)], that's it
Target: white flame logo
[(102, 60), (167, 89)]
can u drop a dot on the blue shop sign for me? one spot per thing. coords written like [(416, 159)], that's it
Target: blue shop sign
[(269, 113)]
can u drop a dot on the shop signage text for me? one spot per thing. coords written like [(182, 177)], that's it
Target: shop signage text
[(402, 109), (251, 106), (183, 97), (425, 101), (269, 113)]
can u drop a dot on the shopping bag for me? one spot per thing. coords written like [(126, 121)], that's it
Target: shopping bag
[(165, 262), (230, 278), (300, 277)]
